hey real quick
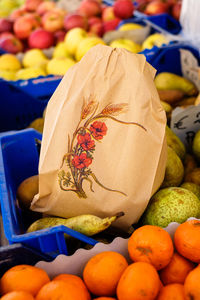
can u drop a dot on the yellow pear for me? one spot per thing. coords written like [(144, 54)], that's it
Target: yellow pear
[(130, 26), (73, 39), (31, 72), (86, 44), (34, 57), (7, 75), (156, 39), (126, 44), (59, 65), (9, 62), (61, 50)]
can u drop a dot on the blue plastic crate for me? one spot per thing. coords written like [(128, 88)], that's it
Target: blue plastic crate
[(19, 160), (167, 58), (23, 101), (18, 254)]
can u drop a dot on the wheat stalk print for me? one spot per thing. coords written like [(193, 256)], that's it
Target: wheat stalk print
[(90, 130)]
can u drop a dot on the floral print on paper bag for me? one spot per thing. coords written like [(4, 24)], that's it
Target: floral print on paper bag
[(91, 130)]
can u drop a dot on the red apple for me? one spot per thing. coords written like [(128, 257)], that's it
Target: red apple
[(5, 25), (111, 25), (59, 36), (74, 20), (90, 8), (123, 9), (11, 45), (45, 6), (97, 28), (108, 14), (176, 10), (156, 7), (17, 13), (6, 34), (32, 5), (41, 39), (53, 21), (24, 25), (94, 20)]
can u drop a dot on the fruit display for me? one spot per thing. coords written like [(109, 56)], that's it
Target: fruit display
[(156, 7), (153, 266)]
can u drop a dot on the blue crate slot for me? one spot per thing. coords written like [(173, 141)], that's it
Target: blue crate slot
[(18, 254), (18, 161), (167, 58), (23, 101)]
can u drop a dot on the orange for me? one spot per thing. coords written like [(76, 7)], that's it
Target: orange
[(17, 295), (174, 291), (151, 244), (105, 298), (191, 285), (177, 270), (60, 290), (140, 281), (187, 240), (23, 278), (75, 280), (103, 271)]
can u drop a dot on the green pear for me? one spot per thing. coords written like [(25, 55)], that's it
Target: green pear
[(174, 169), (173, 204), (193, 176), (195, 188), (196, 146), (175, 143), (169, 81)]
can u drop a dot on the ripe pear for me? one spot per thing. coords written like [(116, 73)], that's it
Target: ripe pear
[(174, 169), (192, 187), (37, 124), (196, 146), (130, 26), (27, 190), (167, 108), (7, 75), (169, 81), (86, 44), (189, 163), (126, 44), (34, 57), (156, 39), (59, 65), (175, 143), (193, 176), (9, 62), (173, 204), (60, 50), (31, 72)]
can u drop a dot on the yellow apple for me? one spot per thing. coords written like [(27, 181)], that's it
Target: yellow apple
[(9, 62), (59, 65), (85, 45), (130, 26), (34, 57), (126, 44), (156, 39), (31, 72), (61, 50), (73, 39), (7, 75)]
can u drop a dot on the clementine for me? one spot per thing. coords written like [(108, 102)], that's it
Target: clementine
[(23, 278), (17, 295), (174, 291), (187, 240), (103, 271), (151, 244), (191, 285), (140, 281)]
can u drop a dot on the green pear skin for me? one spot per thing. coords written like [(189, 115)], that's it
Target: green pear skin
[(195, 188), (85, 224), (196, 146), (169, 81), (174, 171), (173, 204), (175, 143)]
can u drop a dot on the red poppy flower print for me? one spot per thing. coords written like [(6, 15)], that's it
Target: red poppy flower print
[(85, 141), (98, 130), (81, 161)]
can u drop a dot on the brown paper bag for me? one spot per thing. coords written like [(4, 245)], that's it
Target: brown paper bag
[(103, 148)]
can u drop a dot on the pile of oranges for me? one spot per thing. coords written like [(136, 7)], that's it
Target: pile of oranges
[(160, 270)]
